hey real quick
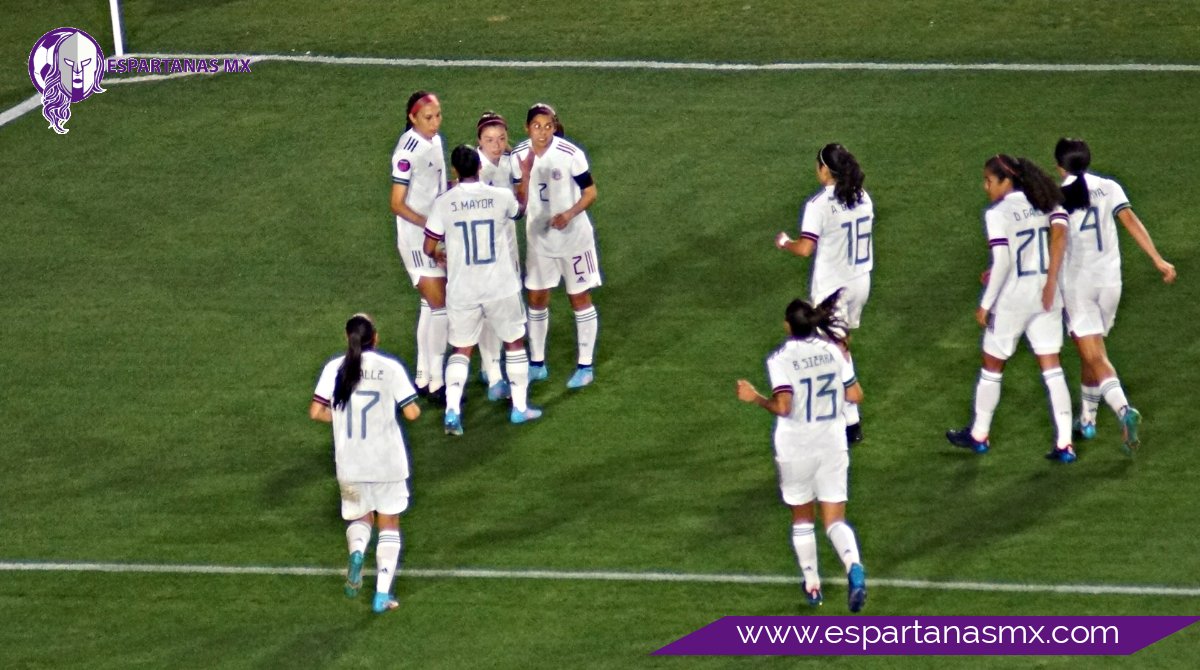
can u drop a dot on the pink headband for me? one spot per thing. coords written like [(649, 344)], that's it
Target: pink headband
[(424, 100)]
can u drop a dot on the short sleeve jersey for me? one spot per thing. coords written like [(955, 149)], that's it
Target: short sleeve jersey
[(475, 222), (504, 174), (553, 189), (817, 375), (844, 239), (420, 165), (1093, 257), (1013, 222), (367, 440)]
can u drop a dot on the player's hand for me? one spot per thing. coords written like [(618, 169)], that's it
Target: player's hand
[(1049, 292), (782, 240), (746, 391), (526, 165), (439, 257), (560, 220), (985, 276), (1167, 270), (981, 317)]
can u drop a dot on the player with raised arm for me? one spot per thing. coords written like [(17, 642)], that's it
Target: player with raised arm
[(560, 242), (474, 221), (1092, 282), (1027, 232), (811, 379), (838, 224), (358, 393)]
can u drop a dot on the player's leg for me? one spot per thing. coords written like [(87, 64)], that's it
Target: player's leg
[(582, 275), (358, 536), (795, 486), (464, 329), (541, 274), (999, 343), (508, 318), (1083, 320), (489, 362), (1045, 335), (433, 290), (1109, 385), (390, 500), (850, 309), (830, 486)]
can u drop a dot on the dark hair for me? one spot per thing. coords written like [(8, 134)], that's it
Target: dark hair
[(489, 118), (804, 320), (465, 161), (1042, 191), (543, 108), (847, 175), (360, 337), (408, 109), (1075, 157)]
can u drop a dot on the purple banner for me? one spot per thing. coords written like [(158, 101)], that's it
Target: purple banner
[(927, 635)]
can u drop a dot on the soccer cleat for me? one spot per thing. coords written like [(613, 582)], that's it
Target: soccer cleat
[(858, 587), (813, 596), (538, 372), (1064, 455), (453, 423), (354, 574), (962, 438), (423, 391), (384, 602), (582, 377), (499, 391), (1130, 420), (1083, 431), (531, 413), (437, 397), (854, 433)]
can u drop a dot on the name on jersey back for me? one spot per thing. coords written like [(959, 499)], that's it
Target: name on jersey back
[(812, 361), (470, 204)]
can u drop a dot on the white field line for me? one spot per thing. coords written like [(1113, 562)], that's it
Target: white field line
[(609, 576)]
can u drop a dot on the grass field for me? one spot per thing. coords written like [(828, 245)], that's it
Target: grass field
[(177, 268)]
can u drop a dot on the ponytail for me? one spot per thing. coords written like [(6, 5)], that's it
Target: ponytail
[(847, 174), (1074, 157), (360, 337), (1042, 191), (823, 321)]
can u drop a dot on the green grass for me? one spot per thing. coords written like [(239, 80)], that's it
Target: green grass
[(177, 268)]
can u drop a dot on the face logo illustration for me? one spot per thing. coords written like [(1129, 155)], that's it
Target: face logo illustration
[(403, 165), (556, 174), (66, 66)]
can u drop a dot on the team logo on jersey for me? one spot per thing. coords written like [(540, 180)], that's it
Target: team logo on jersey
[(65, 66), (404, 165), (556, 174)]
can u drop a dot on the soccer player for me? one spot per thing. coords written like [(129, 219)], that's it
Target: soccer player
[(837, 224), (358, 393), (418, 176), (1027, 232), (811, 378), (1092, 282), (475, 223), (559, 239)]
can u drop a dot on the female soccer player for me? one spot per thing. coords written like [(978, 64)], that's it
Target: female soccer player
[(1092, 281), (1026, 230), (838, 222), (810, 380), (559, 238), (358, 393), (418, 176)]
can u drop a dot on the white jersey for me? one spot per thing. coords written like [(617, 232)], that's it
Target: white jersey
[(553, 189), (475, 221), (817, 375), (843, 236), (1012, 222), (1093, 257), (420, 165), (505, 173), (368, 442)]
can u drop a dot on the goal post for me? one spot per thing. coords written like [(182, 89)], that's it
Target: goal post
[(118, 28)]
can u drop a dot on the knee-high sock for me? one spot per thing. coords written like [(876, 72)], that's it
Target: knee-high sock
[(489, 353), (387, 556), (358, 535), (844, 543), (457, 371), (587, 324), (436, 340), (1114, 395), (987, 397), (422, 378), (517, 363), (1060, 404), (1089, 402), (804, 541), (539, 327)]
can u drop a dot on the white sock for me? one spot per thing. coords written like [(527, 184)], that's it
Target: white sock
[(358, 535), (489, 354), (1060, 404), (850, 409), (1114, 395), (457, 372), (517, 363), (539, 326), (804, 541), (422, 378), (387, 555), (587, 323), (439, 327), (844, 543), (987, 397), (1089, 402)]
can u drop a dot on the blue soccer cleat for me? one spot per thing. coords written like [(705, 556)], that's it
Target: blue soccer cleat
[(531, 413), (1064, 455), (453, 423), (1084, 431), (1130, 420), (962, 438), (384, 602), (354, 574), (499, 391), (813, 596), (538, 372), (582, 377), (858, 587)]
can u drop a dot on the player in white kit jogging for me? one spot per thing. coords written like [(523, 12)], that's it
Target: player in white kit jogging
[(811, 379), (838, 224), (474, 221), (1092, 282), (358, 393), (1027, 232)]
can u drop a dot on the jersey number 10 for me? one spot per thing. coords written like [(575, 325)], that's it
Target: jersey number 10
[(472, 232)]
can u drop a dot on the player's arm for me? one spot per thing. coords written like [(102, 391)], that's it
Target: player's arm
[(810, 233), (779, 404), (525, 167), (400, 207), (319, 410), (587, 197), (854, 393), (1058, 249), (805, 246), (435, 232), (1137, 230)]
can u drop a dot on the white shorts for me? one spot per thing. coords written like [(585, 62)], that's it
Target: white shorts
[(1091, 310), (852, 301), (359, 498), (419, 265), (1044, 330), (505, 316), (582, 272), (818, 474)]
